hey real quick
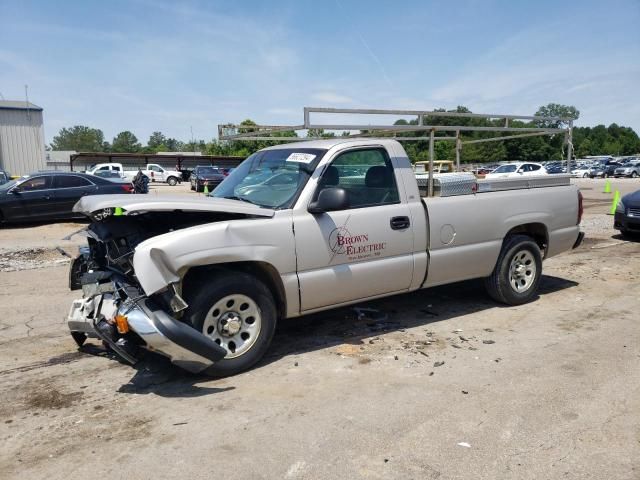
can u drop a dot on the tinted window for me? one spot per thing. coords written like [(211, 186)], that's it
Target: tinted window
[(70, 181), (535, 167), (366, 175), (103, 168), (36, 183), (155, 169)]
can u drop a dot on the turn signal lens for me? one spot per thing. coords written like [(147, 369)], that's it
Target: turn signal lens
[(121, 324)]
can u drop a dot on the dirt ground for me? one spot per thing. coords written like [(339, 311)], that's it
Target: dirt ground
[(440, 383)]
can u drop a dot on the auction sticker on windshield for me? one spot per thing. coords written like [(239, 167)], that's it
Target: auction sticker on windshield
[(300, 157)]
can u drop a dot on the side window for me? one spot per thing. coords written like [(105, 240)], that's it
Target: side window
[(155, 168), (366, 175), (534, 167), (117, 168), (106, 167), (37, 183), (71, 181)]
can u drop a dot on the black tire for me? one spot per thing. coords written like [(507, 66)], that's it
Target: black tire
[(498, 284), (210, 291), (172, 181), (634, 175), (192, 187)]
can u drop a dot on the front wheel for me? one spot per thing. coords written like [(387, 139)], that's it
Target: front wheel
[(516, 276), (238, 312), (586, 175), (172, 181), (634, 174)]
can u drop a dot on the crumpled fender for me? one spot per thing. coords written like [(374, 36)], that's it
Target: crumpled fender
[(162, 260)]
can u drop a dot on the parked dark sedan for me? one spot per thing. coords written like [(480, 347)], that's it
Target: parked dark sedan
[(604, 170), (627, 217), (51, 195), (207, 176)]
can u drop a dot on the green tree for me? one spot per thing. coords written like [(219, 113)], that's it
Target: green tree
[(556, 110), (79, 138), (125, 142)]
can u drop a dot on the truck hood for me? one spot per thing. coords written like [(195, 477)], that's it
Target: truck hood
[(167, 203)]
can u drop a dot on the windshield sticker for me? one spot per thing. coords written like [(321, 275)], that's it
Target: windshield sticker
[(299, 157)]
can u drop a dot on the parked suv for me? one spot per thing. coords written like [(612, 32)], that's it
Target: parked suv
[(631, 169)]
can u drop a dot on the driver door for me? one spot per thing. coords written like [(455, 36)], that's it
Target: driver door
[(362, 251), (31, 199)]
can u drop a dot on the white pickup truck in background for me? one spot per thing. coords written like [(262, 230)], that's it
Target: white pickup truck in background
[(297, 229), (155, 172)]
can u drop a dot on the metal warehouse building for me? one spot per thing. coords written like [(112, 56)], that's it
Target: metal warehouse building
[(21, 137)]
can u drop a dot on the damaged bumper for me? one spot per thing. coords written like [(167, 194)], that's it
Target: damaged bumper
[(140, 324)]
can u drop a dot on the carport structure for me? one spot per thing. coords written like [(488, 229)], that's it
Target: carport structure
[(432, 133)]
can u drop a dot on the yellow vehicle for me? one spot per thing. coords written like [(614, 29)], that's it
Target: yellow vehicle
[(439, 166)]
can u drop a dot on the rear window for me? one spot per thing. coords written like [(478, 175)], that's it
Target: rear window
[(70, 181)]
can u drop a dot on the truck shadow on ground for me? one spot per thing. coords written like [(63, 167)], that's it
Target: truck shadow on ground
[(398, 313), (155, 374)]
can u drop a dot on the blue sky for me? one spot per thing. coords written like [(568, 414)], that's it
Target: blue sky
[(166, 65)]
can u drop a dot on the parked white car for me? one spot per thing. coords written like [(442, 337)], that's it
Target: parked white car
[(583, 171), (517, 169)]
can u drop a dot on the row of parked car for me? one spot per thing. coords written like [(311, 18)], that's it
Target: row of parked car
[(588, 169), (582, 168)]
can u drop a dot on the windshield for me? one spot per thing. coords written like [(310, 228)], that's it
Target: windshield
[(505, 169), (271, 178), (206, 170)]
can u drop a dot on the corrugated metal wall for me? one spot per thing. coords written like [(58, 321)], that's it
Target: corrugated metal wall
[(21, 141)]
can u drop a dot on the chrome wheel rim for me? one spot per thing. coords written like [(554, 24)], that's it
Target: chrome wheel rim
[(522, 271), (234, 323)]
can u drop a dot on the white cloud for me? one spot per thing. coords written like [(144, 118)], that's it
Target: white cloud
[(331, 98)]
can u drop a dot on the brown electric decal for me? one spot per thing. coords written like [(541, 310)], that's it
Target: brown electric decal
[(354, 246)]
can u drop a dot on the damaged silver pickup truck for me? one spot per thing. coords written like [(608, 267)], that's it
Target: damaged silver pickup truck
[(297, 229)]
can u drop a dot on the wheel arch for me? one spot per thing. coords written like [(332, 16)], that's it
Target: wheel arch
[(537, 231), (263, 271)]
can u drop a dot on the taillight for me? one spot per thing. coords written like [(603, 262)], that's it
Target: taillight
[(127, 188), (580, 207)]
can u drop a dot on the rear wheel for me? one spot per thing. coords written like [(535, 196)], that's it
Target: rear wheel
[(238, 312), (173, 181), (634, 174), (516, 276)]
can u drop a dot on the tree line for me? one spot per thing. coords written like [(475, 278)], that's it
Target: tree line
[(598, 140)]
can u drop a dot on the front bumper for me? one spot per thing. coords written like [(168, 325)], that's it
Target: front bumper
[(154, 330), (626, 223)]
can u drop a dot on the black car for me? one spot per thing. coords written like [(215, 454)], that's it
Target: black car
[(604, 170), (207, 176), (627, 217), (52, 195)]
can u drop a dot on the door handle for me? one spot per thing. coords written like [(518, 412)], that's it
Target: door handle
[(399, 223)]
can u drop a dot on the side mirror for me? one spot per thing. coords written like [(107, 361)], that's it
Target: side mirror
[(330, 199)]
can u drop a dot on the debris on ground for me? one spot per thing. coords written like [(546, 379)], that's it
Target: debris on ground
[(438, 364), (464, 444), (30, 258), (488, 342)]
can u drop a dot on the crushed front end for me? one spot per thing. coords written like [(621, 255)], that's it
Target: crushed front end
[(115, 309)]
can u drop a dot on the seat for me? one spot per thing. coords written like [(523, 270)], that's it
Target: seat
[(331, 177), (379, 183)]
